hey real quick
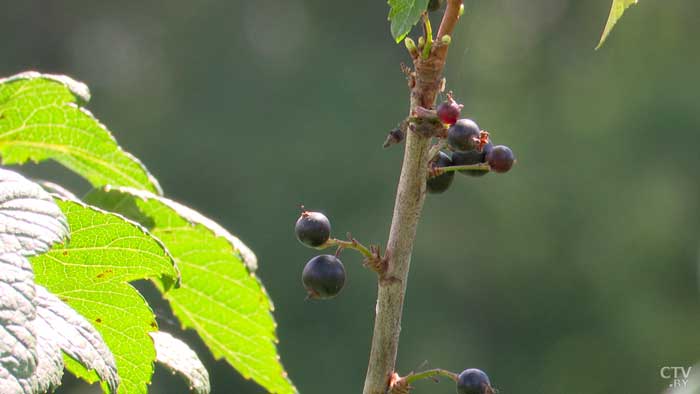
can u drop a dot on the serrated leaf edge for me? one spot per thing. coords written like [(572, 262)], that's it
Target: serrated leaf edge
[(141, 228), (82, 93)]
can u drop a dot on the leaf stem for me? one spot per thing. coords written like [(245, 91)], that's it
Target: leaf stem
[(428, 35)]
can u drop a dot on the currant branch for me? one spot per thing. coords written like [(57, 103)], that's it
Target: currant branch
[(470, 381)]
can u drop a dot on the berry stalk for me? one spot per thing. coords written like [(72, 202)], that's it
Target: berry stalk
[(410, 197), (352, 244), (472, 167)]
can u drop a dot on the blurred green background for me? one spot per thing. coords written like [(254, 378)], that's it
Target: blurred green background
[(573, 273)]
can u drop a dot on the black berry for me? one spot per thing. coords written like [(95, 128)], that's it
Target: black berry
[(448, 111), (474, 381), (312, 228), (463, 135), (434, 5), (442, 182), (323, 276), (500, 158), (472, 157)]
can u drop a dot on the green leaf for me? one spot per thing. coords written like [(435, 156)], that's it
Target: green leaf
[(41, 118), (618, 8), (220, 297), (29, 223), (178, 357), (91, 274), (404, 14), (60, 325)]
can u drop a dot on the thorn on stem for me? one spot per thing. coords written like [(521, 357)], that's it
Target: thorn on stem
[(394, 137)]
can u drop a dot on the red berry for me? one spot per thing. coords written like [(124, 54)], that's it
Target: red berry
[(448, 111)]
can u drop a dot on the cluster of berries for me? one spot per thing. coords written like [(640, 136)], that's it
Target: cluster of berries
[(469, 146), (324, 275)]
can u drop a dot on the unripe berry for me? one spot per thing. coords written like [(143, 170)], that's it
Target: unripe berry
[(323, 276), (463, 135), (312, 229), (500, 158), (472, 157), (442, 182), (448, 111), (474, 381)]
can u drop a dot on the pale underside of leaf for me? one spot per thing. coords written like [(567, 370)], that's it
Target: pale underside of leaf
[(49, 369), (178, 357), (219, 297), (30, 222), (56, 190), (618, 8), (41, 118), (91, 274), (74, 335), (404, 14)]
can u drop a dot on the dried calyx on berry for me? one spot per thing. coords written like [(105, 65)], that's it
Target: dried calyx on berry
[(312, 228)]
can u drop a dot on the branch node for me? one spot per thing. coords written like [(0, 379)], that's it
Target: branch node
[(398, 385)]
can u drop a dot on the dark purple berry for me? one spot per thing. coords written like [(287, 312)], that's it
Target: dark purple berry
[(442, 182), (313, 229), (474, 381), (463, 135), (448, 111), (500, 158), (434, 5), (323, 276), (472, 157)]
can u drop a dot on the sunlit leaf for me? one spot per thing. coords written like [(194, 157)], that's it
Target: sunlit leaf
[(41, 118), (618, 8), (220, 297), (91, 274), (178, 357), (29, 223), (58, 324)]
